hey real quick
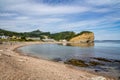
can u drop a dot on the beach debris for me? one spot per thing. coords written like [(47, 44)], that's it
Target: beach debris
[(98, 78)]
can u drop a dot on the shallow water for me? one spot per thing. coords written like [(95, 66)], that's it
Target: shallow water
[(86, 52), (104, 49)]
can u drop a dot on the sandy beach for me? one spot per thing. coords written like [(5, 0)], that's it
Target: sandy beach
[(14, 66)]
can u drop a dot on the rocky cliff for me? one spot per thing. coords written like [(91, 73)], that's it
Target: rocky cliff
[(83, 37)]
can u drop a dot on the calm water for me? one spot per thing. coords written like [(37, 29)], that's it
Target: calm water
[(57, 52), (106, 49)]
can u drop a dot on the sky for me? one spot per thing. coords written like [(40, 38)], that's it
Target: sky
[(99, 16)]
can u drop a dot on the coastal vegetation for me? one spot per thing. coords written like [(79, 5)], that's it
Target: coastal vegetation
[(63, 35), (22, 36), (83, 32), (35, 33)]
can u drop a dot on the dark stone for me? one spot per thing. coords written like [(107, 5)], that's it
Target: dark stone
[(97, 70), (57, 59), (94, 63), (77, 62), (119, 78), (117, 61), (103, 59)]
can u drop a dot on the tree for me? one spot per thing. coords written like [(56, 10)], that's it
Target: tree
[(23, 38)]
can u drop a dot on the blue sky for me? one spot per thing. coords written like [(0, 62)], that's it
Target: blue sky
[(100, 16)]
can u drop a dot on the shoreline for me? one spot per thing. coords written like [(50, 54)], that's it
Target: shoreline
[(92, 71), (60, 74)]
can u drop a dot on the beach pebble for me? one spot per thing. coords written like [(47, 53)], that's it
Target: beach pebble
[(98, 78), (1, 50), (8, 55), (97, 70), (20, 60)]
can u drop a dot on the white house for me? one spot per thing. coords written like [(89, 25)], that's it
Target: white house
[(4, 37), (64, 40), (48, 40), (33, 38)]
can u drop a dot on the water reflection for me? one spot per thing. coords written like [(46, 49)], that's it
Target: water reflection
[(79, 44), (51, 51)]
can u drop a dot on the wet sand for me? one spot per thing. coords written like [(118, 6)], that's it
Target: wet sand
[(14, 66)]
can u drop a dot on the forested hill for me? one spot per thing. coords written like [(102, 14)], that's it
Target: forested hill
[(9, 33), (37, 33)]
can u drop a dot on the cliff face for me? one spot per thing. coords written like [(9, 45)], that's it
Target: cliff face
[(83, 38)]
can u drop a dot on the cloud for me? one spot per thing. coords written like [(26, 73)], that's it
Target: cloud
[(102, 2), (22, 22), (7, 14), (31, 8), (58, 15), (104, 23), (41, 9), (102, 10), (22, 18)]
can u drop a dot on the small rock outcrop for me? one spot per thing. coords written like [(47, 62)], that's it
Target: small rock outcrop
[(83, 37)]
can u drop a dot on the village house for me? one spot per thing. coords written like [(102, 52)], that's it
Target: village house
[(33, 38), (48, 40), (4, 37), (63, 40)]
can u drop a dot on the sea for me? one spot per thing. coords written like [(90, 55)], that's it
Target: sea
[(109, 49), (106, 50)]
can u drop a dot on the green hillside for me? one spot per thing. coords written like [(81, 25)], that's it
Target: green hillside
[(37, 33)]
